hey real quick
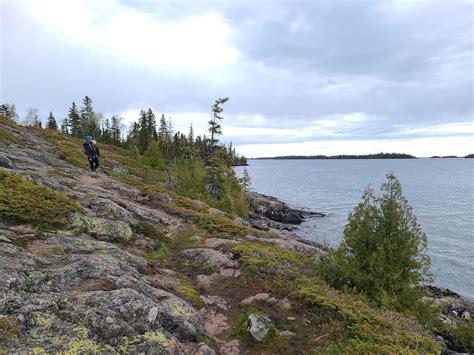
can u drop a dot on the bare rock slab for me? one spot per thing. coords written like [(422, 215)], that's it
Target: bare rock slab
[(210, 257)]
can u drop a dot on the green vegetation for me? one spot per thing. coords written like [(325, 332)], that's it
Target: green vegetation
[(345, 322), (7, 129), (24, 202), (383, 253), (462, 336)]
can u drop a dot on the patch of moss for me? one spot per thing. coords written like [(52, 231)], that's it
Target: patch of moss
[(188, 292), (22, 201), (203, 338), (8, 328)]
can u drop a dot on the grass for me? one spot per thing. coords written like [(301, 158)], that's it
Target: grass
[(24, 202), (7, 129)]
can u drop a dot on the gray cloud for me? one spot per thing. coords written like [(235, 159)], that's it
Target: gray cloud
[(406, 66)]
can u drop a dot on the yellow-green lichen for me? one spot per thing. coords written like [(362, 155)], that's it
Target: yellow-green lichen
[(157, 336)]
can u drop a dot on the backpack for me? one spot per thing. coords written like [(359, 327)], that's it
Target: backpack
[(90, 150)]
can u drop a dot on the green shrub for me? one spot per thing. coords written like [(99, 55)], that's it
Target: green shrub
[(383, 253)]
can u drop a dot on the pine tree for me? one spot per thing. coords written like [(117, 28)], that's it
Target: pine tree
[(214, 124), (74, 120), (383, 253), (52, 124)]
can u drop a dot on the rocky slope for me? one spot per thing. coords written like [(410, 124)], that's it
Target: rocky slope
[(121, 265)]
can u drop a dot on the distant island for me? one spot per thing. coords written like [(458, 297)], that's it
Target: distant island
[(469, 156), (347, 156), (445, 157)]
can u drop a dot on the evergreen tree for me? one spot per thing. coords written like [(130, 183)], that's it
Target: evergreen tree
[(65, 126), (215, 123), (163, 130), (151, 123), (88, 118), (144, 133), (245, 180), (383, 253), (74, 121), (115, 133), (52, 124), (191, 134)]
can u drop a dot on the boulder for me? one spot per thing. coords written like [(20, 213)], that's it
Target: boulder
[(101, 228), (106, 208), (210, 257), (258, 326), (5, 162)]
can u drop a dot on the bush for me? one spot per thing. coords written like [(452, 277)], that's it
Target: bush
[(383, 251)]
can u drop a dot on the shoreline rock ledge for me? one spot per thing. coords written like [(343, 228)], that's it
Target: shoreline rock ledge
[(269, 212)]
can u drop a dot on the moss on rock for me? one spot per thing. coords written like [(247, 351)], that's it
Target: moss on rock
[(24, 202)]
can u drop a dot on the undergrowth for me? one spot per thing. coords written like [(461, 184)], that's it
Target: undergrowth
[(24, 202)]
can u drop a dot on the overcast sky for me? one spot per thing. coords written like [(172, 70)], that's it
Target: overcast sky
[(303, 77)]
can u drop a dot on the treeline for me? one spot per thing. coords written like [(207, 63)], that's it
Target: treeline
[(451, 156), (83, 121), (193, 166), (348, 156)]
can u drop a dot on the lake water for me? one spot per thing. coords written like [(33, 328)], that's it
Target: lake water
[(441, 192)]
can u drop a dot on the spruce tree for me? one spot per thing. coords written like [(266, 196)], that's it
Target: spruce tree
[(163, 130), (151, 123), (115, 133), (74, 120), (88, 117), (52, 124), (144, 133)]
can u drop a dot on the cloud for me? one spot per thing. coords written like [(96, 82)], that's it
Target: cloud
[(295, 72), (124, 34)]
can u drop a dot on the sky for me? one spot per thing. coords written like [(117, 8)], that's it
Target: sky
[(303, 77)]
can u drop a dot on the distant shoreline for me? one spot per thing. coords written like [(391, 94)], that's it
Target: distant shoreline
[(346, 156), (350, 156)]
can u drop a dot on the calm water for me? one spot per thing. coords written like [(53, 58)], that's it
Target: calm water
[(441, 192)]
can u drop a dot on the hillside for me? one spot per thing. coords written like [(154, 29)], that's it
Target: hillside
[(115, 262)]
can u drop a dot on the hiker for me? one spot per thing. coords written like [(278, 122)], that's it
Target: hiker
[(92, 151)]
